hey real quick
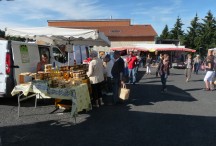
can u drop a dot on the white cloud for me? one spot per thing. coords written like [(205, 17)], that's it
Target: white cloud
[(16, 13)]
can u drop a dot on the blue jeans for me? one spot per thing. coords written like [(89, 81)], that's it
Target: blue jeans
[(163, 80), (126, 71), (132, 75), (116, 87), (196, 67)]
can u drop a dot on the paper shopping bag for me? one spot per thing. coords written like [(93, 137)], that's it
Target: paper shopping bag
[(124, 92)]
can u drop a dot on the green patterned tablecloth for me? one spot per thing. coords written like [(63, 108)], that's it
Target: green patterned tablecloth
[(78, 94)]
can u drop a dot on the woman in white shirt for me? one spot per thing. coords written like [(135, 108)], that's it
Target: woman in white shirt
[(96, 77)]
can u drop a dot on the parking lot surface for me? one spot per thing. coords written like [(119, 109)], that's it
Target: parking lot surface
[(183, 116)]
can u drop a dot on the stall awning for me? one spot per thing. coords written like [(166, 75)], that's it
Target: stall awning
[(54, 35), (154, 47)]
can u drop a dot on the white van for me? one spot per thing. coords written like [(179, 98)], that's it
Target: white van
[(17, 57)]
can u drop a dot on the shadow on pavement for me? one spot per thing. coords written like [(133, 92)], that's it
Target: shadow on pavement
[(144, 94), (26, 103), (115, 126)]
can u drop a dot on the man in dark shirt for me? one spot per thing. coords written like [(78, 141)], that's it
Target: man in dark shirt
[(117, 73)]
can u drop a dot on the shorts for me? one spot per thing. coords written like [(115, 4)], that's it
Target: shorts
[(209, 76)]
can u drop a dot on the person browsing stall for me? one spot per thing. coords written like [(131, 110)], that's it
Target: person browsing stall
[(96, 77)]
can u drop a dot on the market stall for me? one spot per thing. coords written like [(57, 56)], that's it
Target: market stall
[(63, 82), (68, 83)]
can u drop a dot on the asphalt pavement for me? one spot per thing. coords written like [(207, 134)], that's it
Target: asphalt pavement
[(183, 116)]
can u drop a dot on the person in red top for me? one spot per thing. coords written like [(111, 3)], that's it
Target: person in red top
[(131, 61)]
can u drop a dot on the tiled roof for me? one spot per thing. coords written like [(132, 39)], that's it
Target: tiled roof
[(89, 20), (110, 27), (126, 31)]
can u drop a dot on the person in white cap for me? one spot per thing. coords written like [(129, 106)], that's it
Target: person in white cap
[(96, 77)]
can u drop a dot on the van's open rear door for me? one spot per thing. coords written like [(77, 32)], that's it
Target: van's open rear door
[(3, 49), (25, 56)]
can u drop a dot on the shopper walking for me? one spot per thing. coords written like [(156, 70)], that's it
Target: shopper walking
[(210, 73), (148, 64), (196, 65), (131, 61), (164, 71), (118, 76), (189, 67)]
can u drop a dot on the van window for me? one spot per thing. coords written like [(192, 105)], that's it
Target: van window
[(59, 56)]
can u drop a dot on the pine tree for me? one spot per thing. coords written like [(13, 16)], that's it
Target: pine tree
[(192, 38), (165, 33), (177, 32), (207, 32)]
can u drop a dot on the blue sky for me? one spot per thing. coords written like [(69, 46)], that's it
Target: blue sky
[(158, 13)]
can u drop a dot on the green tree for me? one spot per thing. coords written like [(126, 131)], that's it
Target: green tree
[(165, 33), (192, 37), (177, 32), (207, 33)]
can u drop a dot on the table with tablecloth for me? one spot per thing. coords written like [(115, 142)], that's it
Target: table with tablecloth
[(79, 94)]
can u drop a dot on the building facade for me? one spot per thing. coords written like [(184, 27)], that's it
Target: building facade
[(119, 31)]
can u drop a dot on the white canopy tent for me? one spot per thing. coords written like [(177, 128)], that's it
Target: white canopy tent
[(54, 35)]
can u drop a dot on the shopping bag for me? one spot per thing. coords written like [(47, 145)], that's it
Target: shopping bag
[(124, 92)]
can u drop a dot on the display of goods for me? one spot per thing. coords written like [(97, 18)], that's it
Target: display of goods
[(66, 75), (62, 77), (47, 67), (71, 68), (64, 68), (85, 66), (71, 74), (76, 74)]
